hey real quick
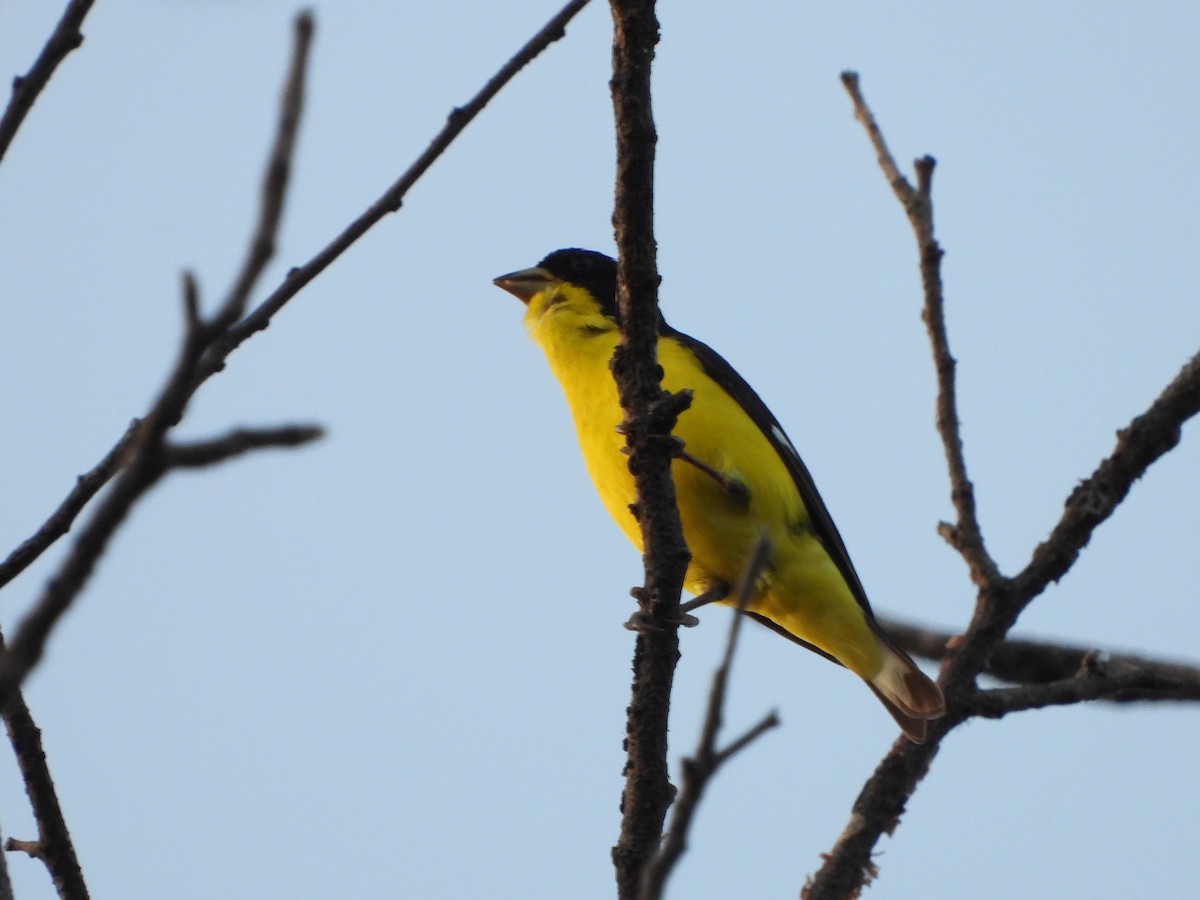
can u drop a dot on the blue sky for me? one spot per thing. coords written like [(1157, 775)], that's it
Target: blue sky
[(391, 664)]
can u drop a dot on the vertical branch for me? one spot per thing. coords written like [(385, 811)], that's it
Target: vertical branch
[(964, 535), (649, 414)]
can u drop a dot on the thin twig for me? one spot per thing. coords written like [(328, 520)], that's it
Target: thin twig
[(1142, 442), (26, 88), (999, 702), (142, 452), (275, 179), (703, 764), (392, 198), (214, 359), (198, 454), (965, 534), (59, 522), (145, 466)]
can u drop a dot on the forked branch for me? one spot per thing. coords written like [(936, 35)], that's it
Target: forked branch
[(1000, 600)]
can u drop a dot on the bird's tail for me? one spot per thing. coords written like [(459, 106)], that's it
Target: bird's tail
[(907, 692)]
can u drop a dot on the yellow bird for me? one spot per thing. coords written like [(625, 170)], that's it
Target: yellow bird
[(736, 477)]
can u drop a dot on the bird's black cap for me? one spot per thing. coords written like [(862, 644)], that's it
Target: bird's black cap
[(592, 271)]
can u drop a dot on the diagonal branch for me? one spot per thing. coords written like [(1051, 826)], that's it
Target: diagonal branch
[(214, 358), (59, 523), (146, 458), (1143, 441), (142, 456), (26, 88), (391, 199)]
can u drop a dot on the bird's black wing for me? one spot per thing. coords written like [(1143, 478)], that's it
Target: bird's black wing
[(715, 366)]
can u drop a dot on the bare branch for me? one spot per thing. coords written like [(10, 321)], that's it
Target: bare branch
[(145, 464), (191, 303), (26, 88), (1041, 662), (275, 178), (198, 454), (883, 155), (142, 455), (1000, 600), (214, 359), (390, 201), (59, 523), (53, 845), (848, 867), (964, 535), (1140, 444), (703, 764), (649, 415), (32, 849), (999, 702)]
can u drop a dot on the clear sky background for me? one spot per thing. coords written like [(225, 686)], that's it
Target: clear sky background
[(392, 664)]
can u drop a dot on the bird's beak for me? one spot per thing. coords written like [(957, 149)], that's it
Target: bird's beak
[(527, 283)]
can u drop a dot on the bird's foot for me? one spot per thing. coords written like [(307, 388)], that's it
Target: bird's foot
[(642, 623)]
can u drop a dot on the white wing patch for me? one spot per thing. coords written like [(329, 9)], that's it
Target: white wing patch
[(782, 438)]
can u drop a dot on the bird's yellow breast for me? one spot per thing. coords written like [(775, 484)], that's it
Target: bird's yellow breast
[(736, 478), (720, 528)]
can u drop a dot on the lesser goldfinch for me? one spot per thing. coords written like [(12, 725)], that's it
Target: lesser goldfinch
[(737, 476)]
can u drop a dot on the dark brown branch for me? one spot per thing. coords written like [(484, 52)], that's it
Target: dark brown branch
[(964, 535), (649, 415), (848, 867), (214, 359), (1000, 600), (26, 88), (391, 199), (1040, 662), (53, 845), (146, 462), (142, 452), (999, 702), (198, 454), (700, 768), (275, 178), (59, 523), (1139, 445)]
